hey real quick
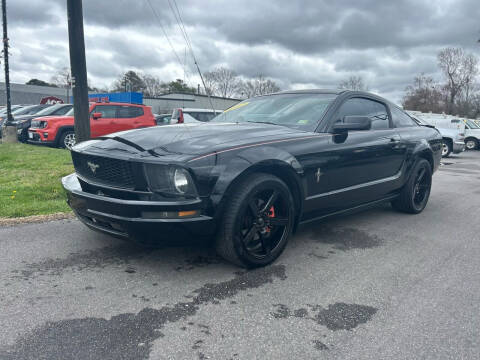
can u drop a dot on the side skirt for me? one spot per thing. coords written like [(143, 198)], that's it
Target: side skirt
[(349, 211)]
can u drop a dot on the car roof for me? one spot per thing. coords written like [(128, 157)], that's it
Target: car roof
[(312, 91), (199, 110)]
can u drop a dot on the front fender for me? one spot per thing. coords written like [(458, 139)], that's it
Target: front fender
[(267, 159)]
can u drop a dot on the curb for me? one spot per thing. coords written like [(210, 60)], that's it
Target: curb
[(35, 219)]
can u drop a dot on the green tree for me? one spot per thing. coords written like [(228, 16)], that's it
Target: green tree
[(179, 86), (39, 83), (130, 81)]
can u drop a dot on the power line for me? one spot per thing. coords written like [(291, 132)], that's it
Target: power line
[(164, 32), (181, 25)]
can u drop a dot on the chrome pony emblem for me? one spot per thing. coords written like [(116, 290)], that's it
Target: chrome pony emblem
[(93, 166), (318, 174)]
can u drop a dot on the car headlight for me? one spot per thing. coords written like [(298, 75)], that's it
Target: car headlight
[(39, 124), (170, 180)]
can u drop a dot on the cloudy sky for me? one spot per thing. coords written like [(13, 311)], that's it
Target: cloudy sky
[(300, 44)]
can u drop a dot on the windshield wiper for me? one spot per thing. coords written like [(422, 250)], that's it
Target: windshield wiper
[(262, 122)]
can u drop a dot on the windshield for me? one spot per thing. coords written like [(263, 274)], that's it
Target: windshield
[(70, 112), (28, 110), (472, 124), (299, 111), (49, 110)]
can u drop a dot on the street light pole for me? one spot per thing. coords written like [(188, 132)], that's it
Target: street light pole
[(79, 70)]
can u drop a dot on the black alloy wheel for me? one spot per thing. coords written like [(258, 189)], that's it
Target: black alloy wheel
[(421, 190), (414, 196), (264, 222), (258, 222)]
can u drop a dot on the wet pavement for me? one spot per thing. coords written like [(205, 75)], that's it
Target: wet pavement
[(374, 285)]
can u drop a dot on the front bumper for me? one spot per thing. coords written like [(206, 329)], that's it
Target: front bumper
[(36, 136), (458, 147), (133, 218)]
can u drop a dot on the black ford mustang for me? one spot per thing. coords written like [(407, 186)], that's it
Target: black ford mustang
[(255, 172)]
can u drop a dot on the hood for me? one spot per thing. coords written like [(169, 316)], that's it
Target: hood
[(197, 139), (52, 117)]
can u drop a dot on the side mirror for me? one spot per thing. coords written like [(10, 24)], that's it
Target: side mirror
[(96, 115), (353, 123), (177, 117)]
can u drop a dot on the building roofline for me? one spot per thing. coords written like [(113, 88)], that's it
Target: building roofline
[(190, 94)]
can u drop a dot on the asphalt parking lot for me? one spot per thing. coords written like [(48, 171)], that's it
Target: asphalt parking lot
[(373, 285)]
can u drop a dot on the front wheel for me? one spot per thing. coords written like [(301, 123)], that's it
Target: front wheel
[(67, 140), (415, 193), (257, 223)]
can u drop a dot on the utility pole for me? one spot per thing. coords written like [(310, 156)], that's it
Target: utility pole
[(5, 59), (9, 134), (79, 70)]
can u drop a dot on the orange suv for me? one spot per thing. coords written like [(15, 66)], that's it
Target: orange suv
[(105, 118)]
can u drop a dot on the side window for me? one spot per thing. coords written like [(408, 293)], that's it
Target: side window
[(204, 116), (136, 111), (400, 119), (129, 111), (107, 111), (365, 107)]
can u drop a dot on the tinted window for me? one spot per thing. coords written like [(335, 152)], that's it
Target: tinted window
[(202, 116), (400, 119), (129, 111), (364, 107), (107, 111)]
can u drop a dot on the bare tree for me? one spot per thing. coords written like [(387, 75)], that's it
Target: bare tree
[(210, 83), (257, 86), (153, 85), (221, 82), (63, 79), (424, 95), (353, 83), (459, 69)]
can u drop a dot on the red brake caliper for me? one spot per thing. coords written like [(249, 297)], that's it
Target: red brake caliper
[(271, 214)]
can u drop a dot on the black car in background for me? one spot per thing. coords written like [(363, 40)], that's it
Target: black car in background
[(23, 122), (254, 173)]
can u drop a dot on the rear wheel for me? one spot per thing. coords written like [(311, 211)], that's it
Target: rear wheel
[(415, 193), (67, 140), (257, 223), (446, 148), (471, 144)]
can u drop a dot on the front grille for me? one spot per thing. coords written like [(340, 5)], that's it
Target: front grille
[(36, 136), (107, 171)]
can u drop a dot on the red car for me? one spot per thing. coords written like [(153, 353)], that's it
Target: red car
[(105, 118)]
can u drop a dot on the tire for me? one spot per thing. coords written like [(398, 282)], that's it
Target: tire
[(251, 233), (446, 148), (23, 137), (414, 195), (65, 140), (471, 144)]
